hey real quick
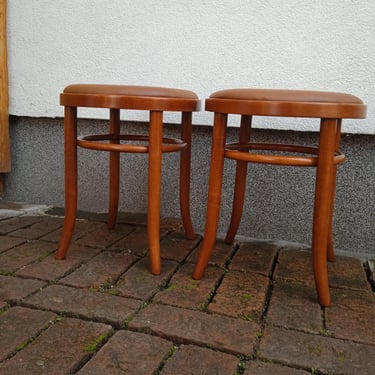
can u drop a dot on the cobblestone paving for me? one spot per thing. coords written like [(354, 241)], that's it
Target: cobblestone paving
[(100, 311)]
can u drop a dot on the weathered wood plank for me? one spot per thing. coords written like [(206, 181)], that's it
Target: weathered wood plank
[(4, 100)]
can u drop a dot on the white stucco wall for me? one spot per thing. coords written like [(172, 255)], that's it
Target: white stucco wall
[(202, 45)]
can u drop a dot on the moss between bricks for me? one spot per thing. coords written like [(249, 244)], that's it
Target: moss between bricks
[(23, 344), (91, 346)]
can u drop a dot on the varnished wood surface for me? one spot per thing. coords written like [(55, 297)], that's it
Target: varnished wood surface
[(4, 100)]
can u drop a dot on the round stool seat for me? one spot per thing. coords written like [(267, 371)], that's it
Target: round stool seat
[(155, 100), (330, 108), (288, 103), (129, 97)]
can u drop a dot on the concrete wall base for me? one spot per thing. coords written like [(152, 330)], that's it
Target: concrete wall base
[(279, 200)]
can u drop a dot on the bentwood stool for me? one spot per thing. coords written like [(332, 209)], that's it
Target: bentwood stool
[(330, 108), (156, 100)]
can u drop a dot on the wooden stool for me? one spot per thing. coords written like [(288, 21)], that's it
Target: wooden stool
[(116, 97), (330, 108)]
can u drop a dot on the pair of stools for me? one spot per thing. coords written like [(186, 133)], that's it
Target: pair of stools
[(330, 108)]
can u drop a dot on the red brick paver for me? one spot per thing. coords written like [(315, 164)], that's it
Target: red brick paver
[(315, 351), (129, 353), (51, 269), (184, 291), (39, 229), (103, 237), (177, 247), (59, 349), (352, 316), (139, 283), (255, 256), (293, 305), (347, 273), (19, 325), (81, 228), (295, 265), (11, 225), (197, 327), (101, 270), (254, 312), (7, 243), (135, 242), (189, 359), (266, 368), (220, 254), (14, 289), (12, 260), (89, 304), (241, 295)]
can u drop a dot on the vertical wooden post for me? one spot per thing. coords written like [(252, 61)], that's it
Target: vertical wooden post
[(4, 100)]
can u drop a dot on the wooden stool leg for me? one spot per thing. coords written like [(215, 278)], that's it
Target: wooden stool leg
[(185, 166), (154, 188), (114, 170), (214, 193), (322, 208), (70, 152), (240, 182), (330, 244)]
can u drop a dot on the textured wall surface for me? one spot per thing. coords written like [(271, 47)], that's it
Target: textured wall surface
[(201, 45), (278, 203)]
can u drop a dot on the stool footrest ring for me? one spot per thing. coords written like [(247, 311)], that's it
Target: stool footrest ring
[(239, 151), (96, 142)]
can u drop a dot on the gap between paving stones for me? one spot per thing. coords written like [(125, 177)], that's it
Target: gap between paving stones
[(266, 303)]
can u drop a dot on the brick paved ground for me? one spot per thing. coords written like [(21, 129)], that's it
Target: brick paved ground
[(101, 312)]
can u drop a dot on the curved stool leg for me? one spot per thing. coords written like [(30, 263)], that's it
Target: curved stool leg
[(330, 243), (214, 193), (322, 208), (114, 170), (240, 183), (70, 150), (185, 166), (154, 188)]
